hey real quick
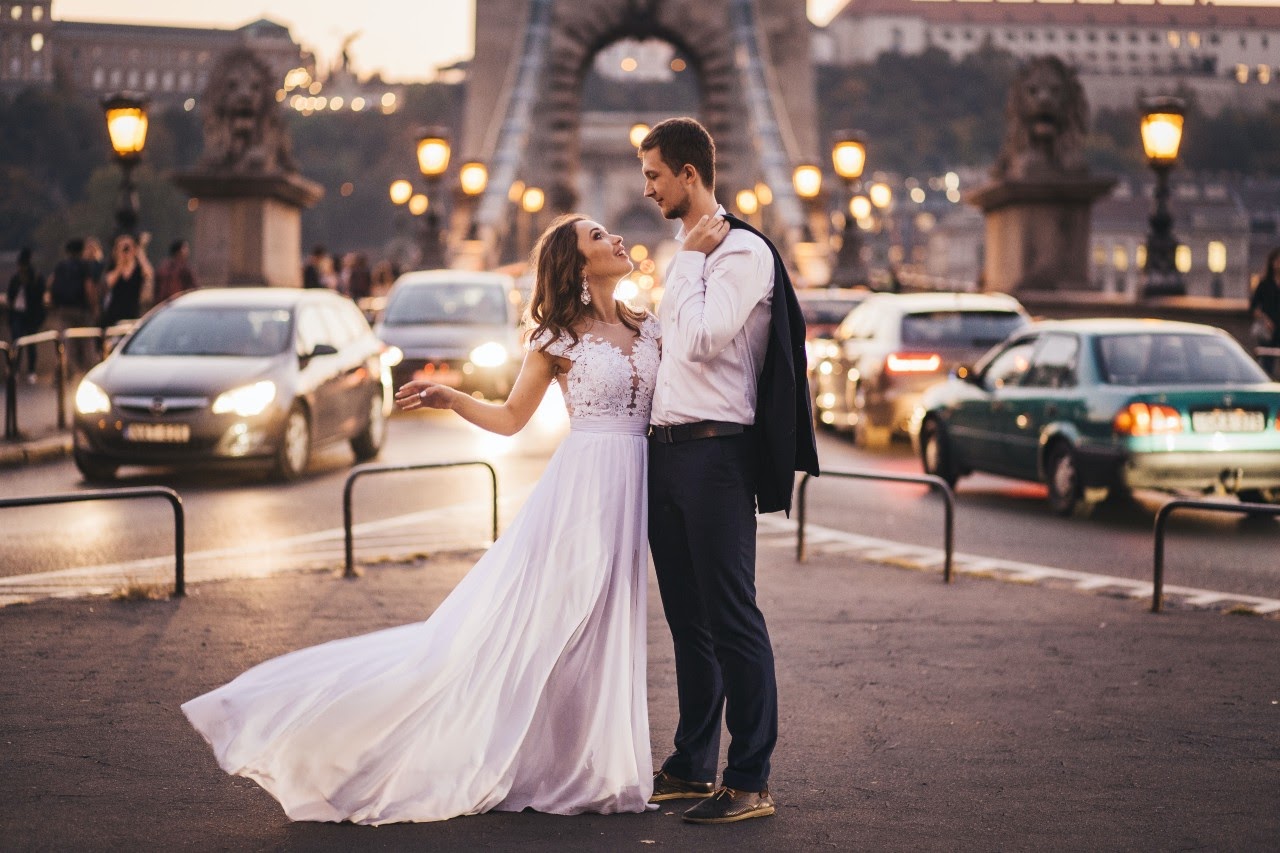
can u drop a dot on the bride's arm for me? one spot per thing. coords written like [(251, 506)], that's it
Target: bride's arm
[(503, 418)]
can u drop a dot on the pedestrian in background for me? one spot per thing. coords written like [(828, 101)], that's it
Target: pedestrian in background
[(1264, 306), (311, 270), (129, 279), (26, 306), (174, 275), (73, 296), (359, 279)]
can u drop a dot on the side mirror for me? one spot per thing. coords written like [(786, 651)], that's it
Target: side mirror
[(320, 349)]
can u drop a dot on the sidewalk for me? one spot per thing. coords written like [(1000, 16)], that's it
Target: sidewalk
[(39, 437), (914, 716)]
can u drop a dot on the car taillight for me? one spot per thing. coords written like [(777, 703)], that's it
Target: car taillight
[(1147, 419), (912, 362)]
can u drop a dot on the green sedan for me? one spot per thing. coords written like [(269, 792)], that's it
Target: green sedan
[(1108, 405)]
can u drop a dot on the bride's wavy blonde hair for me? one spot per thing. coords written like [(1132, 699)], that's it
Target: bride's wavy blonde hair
[(556, 306)]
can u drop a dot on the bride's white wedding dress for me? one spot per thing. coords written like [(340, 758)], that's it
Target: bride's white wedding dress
[(524, 689)]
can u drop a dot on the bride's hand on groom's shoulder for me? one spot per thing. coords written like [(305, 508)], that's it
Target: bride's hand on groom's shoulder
[(421, 394), (706, 235)]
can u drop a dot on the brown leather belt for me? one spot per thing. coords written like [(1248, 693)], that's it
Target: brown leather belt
[(693, 431)]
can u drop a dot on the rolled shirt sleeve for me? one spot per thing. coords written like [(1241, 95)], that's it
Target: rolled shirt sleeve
[(712, 296)]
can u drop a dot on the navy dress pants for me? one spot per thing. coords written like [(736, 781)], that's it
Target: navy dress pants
[(702, 530)]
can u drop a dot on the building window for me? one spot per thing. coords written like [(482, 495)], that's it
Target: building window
[(149, 80), (1133, 38), (968, 35), (1071, 35), (37, 13), (1091, 36), (16, 14), (1214, 38), (1264, 40), (1051, 35), (185, 80), (1113, 37), (1030, 35), (1175, 38), (1193, 40), (166, 81), (115, 76), (946, 35), (99, 77), (133, 78), (1242, 73), (1264, 74), (37, 42)]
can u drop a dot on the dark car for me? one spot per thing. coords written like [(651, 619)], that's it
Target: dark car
[(455, 327), (869, 376), (1110, 405), (239, 375)]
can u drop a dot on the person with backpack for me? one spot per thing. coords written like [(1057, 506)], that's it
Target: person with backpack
[(73, 298)]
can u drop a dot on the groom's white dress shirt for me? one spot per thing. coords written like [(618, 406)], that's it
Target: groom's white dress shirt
[(715, 315)]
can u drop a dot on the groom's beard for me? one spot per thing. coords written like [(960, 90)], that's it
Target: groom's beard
[(679, 211)]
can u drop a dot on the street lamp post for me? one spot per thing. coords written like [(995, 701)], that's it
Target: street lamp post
[(1161, 137), (849, 156), (433, 160), (473, 178), (126, 115)]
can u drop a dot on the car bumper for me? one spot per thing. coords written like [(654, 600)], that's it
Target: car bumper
[(191, 439), (456, 373), (1230, 470)]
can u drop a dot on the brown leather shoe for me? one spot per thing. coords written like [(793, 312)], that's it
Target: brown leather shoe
[(728, 806), (668, 787)]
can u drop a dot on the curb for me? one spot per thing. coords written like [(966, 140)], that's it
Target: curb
[(35, 451)]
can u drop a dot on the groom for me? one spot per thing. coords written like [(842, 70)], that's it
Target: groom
[(730, 427)]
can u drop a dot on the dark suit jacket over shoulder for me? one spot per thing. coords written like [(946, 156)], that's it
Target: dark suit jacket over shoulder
[(784, 414)]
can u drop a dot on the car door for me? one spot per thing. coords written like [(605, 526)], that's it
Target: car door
[(351, 367), (979, 422), (319, 373), (1047, 393)]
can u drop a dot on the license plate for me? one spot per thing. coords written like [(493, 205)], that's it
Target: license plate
[(1228, 420), (441, 376), (158, 433)]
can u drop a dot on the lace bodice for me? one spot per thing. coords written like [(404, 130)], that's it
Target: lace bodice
[(609, 379)]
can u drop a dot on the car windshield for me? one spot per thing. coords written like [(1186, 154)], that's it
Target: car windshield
[(829, 311), (462, 304), (959, 328), (229, 331), (1174, 359)]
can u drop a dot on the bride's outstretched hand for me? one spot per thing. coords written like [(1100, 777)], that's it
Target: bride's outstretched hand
[(421, 394)]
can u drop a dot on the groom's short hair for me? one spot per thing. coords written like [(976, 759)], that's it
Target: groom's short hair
[(682, 141)]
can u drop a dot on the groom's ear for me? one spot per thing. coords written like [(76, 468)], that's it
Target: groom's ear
[(689, 173)]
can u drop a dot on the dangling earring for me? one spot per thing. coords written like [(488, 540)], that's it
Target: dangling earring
[(586, 293)]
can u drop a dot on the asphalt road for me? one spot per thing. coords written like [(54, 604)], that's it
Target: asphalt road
[(231, 514)]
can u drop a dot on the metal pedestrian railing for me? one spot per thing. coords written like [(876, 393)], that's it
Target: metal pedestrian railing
[(934, 483), (175, 500), (1162, 519), (362, 470), (12, 353)]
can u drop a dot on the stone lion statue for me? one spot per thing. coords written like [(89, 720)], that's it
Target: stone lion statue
[(243, 131), (1045, 122)]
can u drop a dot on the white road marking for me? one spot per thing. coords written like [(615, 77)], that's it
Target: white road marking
[(826, 540)]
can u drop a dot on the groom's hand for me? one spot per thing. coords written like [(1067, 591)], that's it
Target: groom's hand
[(706, 235)]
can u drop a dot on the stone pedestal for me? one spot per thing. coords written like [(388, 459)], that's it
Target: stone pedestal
[(1037, 232), (248, 228)]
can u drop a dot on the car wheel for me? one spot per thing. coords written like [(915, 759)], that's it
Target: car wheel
[(935, 452), (95, 469), (1063, 474), (295, 445), (368, 442)]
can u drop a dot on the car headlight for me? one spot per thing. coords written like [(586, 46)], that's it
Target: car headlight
[(492, 354), (247, 400), (391, 356), (91, 400)]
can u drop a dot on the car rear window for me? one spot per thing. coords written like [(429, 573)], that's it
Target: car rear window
[(959, 328), (1173, 359), (229, 331), (462, 304), (829, 311)]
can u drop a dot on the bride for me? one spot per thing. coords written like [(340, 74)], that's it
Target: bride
[(526, 687)]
